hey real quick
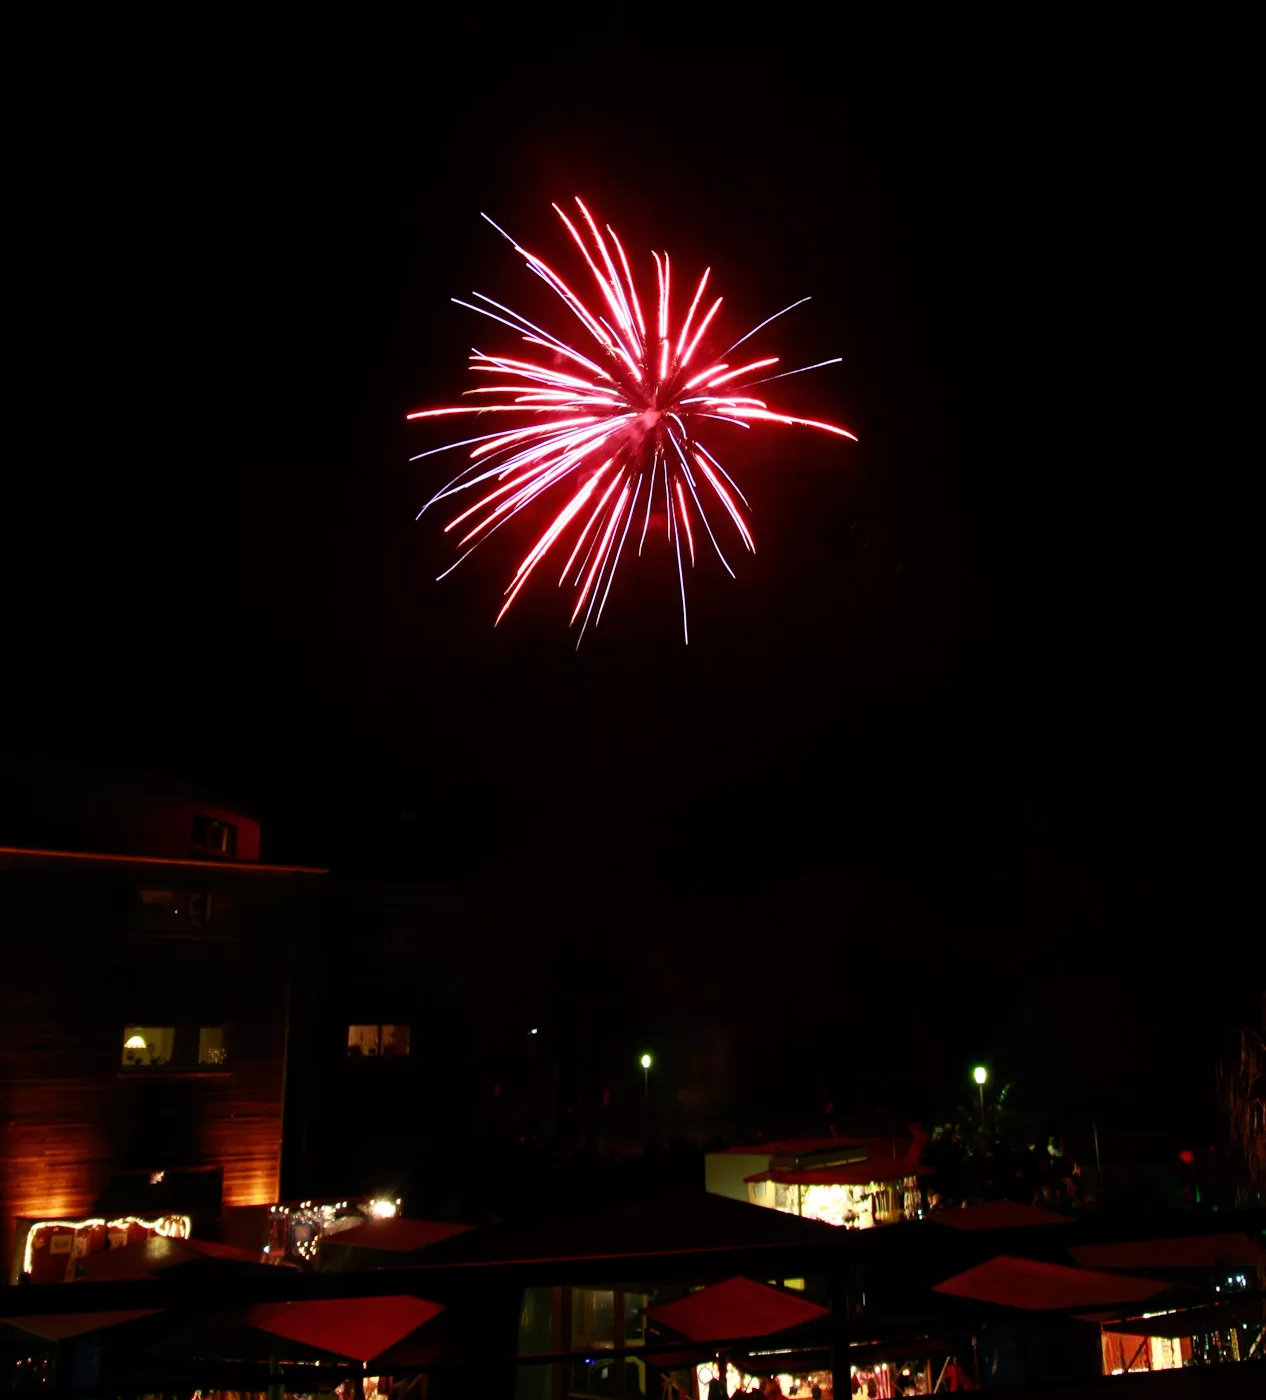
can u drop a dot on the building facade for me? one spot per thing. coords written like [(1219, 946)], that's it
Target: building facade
[(148, 980)]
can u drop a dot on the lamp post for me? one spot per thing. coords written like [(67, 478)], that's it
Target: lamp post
[(646, 1063), (980, 1074)]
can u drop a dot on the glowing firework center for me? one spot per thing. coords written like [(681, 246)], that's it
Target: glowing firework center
[(610, 431)]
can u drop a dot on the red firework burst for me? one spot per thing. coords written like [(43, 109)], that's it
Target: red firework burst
[(608, 427)]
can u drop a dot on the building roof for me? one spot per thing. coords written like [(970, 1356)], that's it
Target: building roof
[(1193, 1252), (682, 1223), (230, 867), (397, 1235), (739, 1307), (998, 1215), (1037, 1286)]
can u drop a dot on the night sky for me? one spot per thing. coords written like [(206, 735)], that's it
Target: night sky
[(948, 772)]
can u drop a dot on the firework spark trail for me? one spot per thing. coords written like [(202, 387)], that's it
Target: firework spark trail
[(621, 406)]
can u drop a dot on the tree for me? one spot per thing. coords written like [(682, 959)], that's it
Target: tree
[(1242, 1092)]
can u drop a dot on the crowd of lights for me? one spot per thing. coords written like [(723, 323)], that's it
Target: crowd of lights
[(175, 1227), (610, 425)]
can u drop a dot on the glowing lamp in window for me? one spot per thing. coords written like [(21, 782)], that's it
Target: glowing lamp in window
[(147, 1045)]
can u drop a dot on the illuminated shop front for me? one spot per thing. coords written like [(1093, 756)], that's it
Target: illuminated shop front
[(857, 1196), (51, 1249), (880, 1380)]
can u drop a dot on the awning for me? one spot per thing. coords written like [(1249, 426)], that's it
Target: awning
[(1191, 1252), (1036, 1286), (739, 1307), (997, 1215)]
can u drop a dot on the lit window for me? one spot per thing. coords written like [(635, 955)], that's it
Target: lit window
[(215, 837), (148, 1045), (211, 1050), (373, 1041)]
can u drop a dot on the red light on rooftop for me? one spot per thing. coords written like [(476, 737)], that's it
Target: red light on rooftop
[(1187, 1156)]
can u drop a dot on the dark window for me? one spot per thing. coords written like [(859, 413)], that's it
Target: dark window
[(212, 837), (176, 911)]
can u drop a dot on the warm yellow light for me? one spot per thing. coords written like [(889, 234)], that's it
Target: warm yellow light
[(980, 1074), (646, 1062), (134, 1042), (382, 1209)]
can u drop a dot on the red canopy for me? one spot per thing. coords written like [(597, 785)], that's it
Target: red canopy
[(736, 1308), (359, 1328), (1193, 1252), (997, 1215), (1039, 1287)]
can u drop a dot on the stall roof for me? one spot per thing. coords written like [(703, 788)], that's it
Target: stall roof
[(397, 1235), (359, 1328), (1037, 1286), (59, 1327), (1193, 1252), (739, 1307), (684, 1222), (851, 1174), (157, 1255), (998, 1215), (1191, 1322)]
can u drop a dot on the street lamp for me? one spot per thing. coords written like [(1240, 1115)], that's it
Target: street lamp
[(646, 1063), (980, 1074)]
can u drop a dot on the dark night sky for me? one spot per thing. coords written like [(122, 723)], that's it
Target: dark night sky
[(963, 725)]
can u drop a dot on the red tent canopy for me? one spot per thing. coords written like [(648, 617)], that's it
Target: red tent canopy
[(359, 1328), (1040, 1287), (738, 1307)]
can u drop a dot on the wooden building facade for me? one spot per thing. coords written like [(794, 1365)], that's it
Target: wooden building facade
[(144, 1010)]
